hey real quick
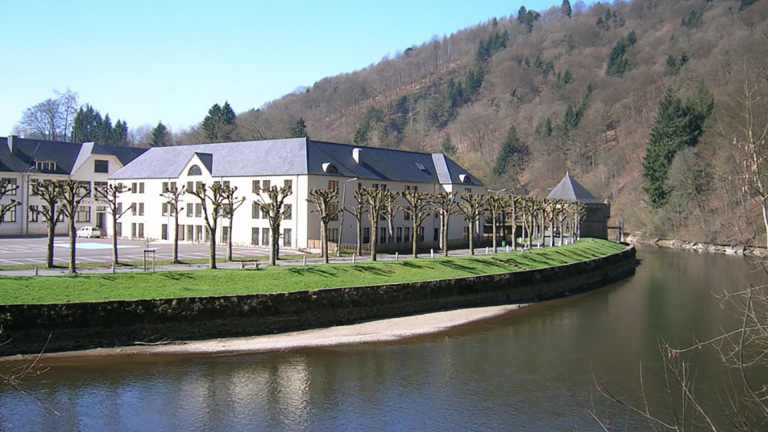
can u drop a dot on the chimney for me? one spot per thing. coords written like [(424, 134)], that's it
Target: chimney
[(10, 142), (357, 155)]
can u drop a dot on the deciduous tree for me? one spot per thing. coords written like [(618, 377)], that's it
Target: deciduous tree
[(374, 198), (324, 200), (472, 206), (274, 209), (418, 206), (50, 193), (172, 197), (110, 196), (212, 199), (73, 192)]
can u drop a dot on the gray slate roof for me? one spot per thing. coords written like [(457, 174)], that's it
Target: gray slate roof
[(295, 156), (68, 156), (570, 190)]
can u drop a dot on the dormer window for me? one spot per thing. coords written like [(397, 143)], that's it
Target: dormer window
[(465, 178), (194, 170), (330, 168), (421, 166), (45, 165)]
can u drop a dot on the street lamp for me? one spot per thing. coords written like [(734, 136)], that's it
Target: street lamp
[(343, 207)]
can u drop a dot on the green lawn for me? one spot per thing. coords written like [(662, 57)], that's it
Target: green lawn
[(199, 283)]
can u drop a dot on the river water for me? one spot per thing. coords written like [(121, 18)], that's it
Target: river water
[(529, 370)]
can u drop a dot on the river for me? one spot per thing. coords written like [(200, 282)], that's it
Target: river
[(529, 370)]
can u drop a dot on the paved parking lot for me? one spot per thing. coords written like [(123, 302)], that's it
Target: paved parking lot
[(31, 250)]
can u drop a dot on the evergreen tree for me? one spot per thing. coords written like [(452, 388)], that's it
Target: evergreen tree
[(617, 59), (745, 4), (120, 133), (219, 124), (106, 131), (510, 148), (566, 8), (447, 146), (161, 137), (211, 122), (567, 77), (299, 129), (87, 125)]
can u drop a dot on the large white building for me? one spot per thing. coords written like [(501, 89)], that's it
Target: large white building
[(24, 162), (302, 164)]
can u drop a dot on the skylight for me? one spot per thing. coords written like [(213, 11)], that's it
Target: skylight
[(421, 166)]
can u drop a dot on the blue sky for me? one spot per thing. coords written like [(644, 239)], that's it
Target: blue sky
[(150, 61)]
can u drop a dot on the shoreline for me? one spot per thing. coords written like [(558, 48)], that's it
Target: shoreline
[(375, 331), (739, 249)]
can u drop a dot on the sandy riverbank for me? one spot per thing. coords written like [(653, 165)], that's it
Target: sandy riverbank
[(367, 332)]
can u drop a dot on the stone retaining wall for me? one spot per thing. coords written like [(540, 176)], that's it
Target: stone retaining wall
[(73, 326)]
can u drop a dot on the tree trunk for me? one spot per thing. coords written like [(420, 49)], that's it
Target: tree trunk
[(765, 217), (444, 234), (493, 221), (391, 230), (359, 245), (49, 252), (212, 247), (415, 243), (472, 238), (72, 246), (324, 241), (274, 245), (514, 230), (229, 239), (114, 239), (374, 237), (175, 259)]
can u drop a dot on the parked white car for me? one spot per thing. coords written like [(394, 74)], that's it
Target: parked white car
[(89, 232)]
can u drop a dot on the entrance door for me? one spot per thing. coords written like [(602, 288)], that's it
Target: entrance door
[(101, 220)]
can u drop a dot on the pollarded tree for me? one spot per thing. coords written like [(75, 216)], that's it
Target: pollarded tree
[(527, 215), (212, 200), (231, 204), (110, 195), (391, 207), (73, 192), (8, 188), (357, 212), (50, 194), (445, 205), (495, 204), (578, 213), (172, 197), (374, 198), (548, 213), (472, 206), (512, 206), (324, 200), (274, 210), (418, 206)]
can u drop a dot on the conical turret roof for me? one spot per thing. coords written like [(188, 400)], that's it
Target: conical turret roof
[(570, 190)]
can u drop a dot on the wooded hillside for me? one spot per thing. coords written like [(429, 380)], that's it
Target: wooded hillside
[(519, 100)]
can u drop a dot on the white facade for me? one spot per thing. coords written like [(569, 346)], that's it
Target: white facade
[(149, 218)]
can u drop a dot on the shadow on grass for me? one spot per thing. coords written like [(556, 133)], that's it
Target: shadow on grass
[(374, 270), (174, 276), (311, 270), (453, 265)]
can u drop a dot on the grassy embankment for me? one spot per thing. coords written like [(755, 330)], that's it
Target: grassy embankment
[(199, 283)]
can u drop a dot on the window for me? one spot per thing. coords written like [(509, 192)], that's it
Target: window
[(359, 186), (287, 211), (141, 209), (100, 188), (198, 210), (85, 188), (333, 235), (333, 185), (382, 235), (288, 184), (141, 187), (224, 234), (190, 209), (366, 235), (190, 232), (226, 183), (119, 229), (333, 208), (254, 211), (375, 185), (101, 166), (34, 216), (45, 165), (164, 232), (266, 185), (287, 237), (255, 187), (165, 187), (12, 182), (10, 216), (133, 230), (190, 187), (165, 211), (180, 233), (194, 170), (141, 230), (198, 185), (134, 187), (198, 233), (254, 236), (265, 237), (133, 210), (436, 235), (33, 186), (407, 235), (406, 215), (172, 187), (421, 234), (466, 233), (399, 236), (468, 190), (83, 214), (120, 209)]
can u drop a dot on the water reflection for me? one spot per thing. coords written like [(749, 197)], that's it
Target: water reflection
[(512, 372)]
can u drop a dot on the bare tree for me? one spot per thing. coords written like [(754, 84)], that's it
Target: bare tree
[(374, 198), (173, 200), (445, 205), (231, 204), (495, 205), (110, 195), (323, 199), (50, 119), (512, 205), (418, 206), (391, 206), (357, 212), (73, 192), (274, 209), (8, 188), (50, 193), (472, 206), (212, 200)]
